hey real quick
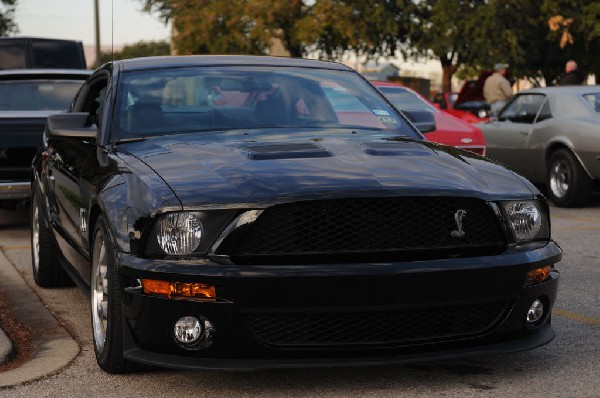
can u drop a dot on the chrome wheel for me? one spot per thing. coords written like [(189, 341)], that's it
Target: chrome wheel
[(560, 178), (99, 285), (35, 235)]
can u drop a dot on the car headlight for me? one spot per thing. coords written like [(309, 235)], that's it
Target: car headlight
[(186, 232), (482, 113), (527, 219), (179, 233)]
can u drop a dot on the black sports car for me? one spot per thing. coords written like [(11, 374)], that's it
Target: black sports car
[(231, 212)]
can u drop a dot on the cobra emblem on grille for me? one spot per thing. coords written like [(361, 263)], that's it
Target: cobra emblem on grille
[(458, 218)]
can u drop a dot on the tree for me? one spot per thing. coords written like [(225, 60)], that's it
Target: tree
[(139, 49), (329, 28), (450, 30), (230, 27), (7, 23), (368, 29)]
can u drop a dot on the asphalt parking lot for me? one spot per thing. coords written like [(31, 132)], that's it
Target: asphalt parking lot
[(566, 367)]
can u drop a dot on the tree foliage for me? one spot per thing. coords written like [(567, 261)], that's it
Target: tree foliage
[(7, 23), (470, 35), (330, 28), (139, 49)]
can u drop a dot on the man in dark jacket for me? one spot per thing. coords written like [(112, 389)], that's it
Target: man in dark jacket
[(572, 75)]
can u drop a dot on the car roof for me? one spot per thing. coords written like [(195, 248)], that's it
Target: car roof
[(562, 89), (7, 74), (225, 60)]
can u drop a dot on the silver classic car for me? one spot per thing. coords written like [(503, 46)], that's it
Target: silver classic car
[(551, 136)]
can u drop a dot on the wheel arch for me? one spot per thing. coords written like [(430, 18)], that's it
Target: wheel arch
[(557, 145)]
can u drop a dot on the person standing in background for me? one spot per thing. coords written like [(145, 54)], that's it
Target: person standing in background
[(497, 88), (572, 75)]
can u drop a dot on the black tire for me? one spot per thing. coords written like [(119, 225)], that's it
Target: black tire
[(47, 272), (106, 303), (568, 183)]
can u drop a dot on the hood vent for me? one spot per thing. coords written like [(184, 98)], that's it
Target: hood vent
[(395, 149), (285, 151)]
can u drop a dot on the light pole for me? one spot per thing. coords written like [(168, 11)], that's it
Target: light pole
[(97, 28)]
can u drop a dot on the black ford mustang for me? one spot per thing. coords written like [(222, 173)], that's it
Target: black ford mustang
[(234, 212)]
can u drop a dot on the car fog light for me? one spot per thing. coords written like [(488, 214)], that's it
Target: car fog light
[(194, 333), (188, 330), (536, 311)]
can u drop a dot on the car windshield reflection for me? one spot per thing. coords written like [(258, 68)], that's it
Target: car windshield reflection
[(188, 100)]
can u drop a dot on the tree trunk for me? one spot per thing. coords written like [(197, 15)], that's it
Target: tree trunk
[(448, 71)]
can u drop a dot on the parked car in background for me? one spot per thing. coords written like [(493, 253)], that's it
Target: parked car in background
[(551, 136), (445, 101), (449, 130), (27, 97), (239, 212)]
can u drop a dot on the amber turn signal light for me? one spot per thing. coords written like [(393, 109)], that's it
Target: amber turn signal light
[(179, 289), (538, 275)]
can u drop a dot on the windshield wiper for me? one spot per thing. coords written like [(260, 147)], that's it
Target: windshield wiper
[(128, 140)]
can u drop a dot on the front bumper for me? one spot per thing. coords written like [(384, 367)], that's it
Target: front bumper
[(302, 299)]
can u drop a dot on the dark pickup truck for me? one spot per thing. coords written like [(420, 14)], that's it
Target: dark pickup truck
[(27, 98), (39, 52)]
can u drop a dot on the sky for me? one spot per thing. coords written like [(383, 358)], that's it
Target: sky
[(120, 20)]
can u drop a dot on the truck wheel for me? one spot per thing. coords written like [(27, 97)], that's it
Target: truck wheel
[(568, 183)]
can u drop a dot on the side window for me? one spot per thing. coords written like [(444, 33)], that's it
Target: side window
[(523, 109), (545, 112), (91, 98)]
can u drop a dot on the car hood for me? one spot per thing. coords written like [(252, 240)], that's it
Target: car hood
[(260, 168)]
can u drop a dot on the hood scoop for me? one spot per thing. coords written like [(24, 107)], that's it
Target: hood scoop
[(395, 149), (285, 151)]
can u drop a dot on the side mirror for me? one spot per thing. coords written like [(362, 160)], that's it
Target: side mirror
[(76, 124), (423, 120)]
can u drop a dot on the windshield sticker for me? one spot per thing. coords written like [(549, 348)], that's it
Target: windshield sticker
[(380, 112), (387, 120)]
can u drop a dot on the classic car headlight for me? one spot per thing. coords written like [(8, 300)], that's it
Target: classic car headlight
[(482, 113), (179, 233), (528, 220)]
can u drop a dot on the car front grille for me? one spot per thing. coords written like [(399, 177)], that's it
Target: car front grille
[(405, 228), (377, 327)]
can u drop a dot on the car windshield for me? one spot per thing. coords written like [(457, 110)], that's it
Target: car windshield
[(405, 99), (209, 99), (37, 95), (593, 99)]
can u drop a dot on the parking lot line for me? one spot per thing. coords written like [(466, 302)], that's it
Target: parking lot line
[(588, 220), (15, 247), (577, 229), (576, 317)]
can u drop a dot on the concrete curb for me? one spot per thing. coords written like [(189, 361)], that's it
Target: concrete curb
[(7, 350), (53, 347)]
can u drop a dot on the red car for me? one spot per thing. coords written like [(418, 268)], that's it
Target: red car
[(446, 102), (449, 130)]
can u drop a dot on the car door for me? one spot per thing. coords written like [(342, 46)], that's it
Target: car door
[(506, 138), (65, 159)]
